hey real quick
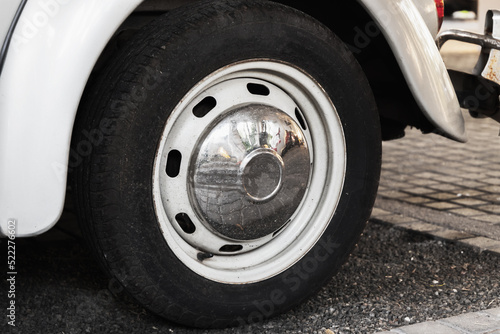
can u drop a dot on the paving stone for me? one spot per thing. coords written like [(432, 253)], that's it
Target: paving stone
[(443, 195), (420, 191), (491, 208), (391, 165), (494, 219), (491, 197), (472, 169), (450, 179), (468, 192), (376, 212), (417, 200), (398, 219), (492, 189), (474, 322), (494, 311), (466, 177), (427, 175), (476, 162), (420, 226), (484, 322), (423, 182), (468, 212), (403, 185), (494, 181), (393, 194), (493, 332), (482, 242), (441, 205), (429, 327), (452, 234), (452, 165), (472, 184), (468, 201), (444, 187)]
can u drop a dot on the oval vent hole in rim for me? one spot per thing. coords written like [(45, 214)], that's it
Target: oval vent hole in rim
[(258, 89), (204, 107), (301, 120), (173, 163), (185, 223), (231, 248)]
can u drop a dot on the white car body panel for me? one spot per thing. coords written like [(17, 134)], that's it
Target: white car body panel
[(55, 46), (427, 9), (7, 12)]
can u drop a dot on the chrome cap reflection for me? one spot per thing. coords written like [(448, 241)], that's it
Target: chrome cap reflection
[(250, 172)]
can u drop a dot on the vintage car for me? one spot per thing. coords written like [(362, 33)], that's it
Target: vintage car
[(223, 155)]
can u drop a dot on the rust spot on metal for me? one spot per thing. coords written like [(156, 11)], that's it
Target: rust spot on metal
[(492, 70)]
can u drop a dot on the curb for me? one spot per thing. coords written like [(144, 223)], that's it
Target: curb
[(483, 322)]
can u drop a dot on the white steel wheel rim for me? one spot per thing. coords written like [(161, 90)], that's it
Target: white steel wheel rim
[(255, 260)]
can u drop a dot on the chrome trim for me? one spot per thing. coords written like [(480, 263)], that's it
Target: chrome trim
[(486, 41)]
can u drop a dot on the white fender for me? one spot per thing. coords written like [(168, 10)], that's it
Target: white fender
[(55, 46), (413, 45), (6, 15)]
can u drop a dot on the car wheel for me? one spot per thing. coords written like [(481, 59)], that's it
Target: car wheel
[(235, 162)]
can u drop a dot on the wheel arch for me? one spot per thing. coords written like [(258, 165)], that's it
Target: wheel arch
[(53, 50)]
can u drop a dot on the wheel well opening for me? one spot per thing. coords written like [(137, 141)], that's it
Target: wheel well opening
[(396, 104)]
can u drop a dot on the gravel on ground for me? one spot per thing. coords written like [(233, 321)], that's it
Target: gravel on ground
[(395, 277)]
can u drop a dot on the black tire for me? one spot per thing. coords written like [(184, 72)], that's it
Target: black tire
[(125, 112)]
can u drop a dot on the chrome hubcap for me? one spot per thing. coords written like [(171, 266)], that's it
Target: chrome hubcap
[(250, 172)]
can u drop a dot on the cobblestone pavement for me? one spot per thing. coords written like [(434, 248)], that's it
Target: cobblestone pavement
[(451, 190), (448, 190)]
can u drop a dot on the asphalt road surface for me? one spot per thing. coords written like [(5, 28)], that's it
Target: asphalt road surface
[(393, 278)]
